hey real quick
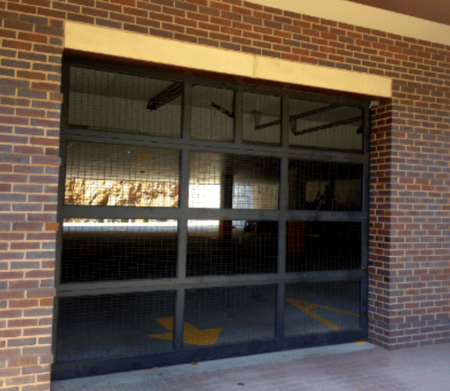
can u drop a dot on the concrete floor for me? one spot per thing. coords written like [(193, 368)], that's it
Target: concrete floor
[(346, 367)]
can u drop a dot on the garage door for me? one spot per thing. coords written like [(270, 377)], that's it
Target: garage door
[(204, 219)]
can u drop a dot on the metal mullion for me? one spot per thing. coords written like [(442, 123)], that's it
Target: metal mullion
[(61, 193), (315, 215), (363, 305), (214, 146), (283, 199), (238, 117), (282, 221), (179, 319), (279, 320), (111, 137), (60, 214), (320, 98), (118, 212), (183, 213), (132, 212), (186, 119), (366, 171), (183, 200), (363, 318), (147, 285)]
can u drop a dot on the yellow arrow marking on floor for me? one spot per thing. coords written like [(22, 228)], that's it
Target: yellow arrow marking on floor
[(307, 310), (311, 305), (192, 335)]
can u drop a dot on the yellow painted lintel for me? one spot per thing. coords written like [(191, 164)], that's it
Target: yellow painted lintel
[(123, 44)]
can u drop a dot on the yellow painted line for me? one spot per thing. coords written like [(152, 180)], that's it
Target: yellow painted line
[(308, 311), (326, 308), (192, 335), (360, 342)]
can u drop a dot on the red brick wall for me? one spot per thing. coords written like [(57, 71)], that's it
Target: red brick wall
[(409, 225)]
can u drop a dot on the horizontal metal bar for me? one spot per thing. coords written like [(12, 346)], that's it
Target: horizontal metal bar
[(330, 125), (132, 212), (159, 213), (298, 116), (66, 370), (324, 215), (97, 136), (111, 287)]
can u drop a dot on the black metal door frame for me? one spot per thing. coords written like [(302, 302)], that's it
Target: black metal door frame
[(183, 213)]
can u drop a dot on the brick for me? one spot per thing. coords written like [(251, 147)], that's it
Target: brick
[(50, 30), (185, 22), (66, 7), (27, 226), (9, 372), (108, 23), (22, 362), (32, 56), (41, 387), (32, 94), (161, 17), (186, 6), (16, 45), (220, 6), (35, 369), (32, 37), (130, 3), (196, 32), (21, 342)]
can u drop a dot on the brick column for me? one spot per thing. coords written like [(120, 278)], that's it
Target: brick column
[(409, 218), (31, 52)]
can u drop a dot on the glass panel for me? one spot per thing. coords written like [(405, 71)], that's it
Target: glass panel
[(321, 307), (318, 246), (218, 316), (325, 126), (212, 113), (223, 180), (262, 119), (102, 250), (117, 102), (113, 174), (325, 186), (114, 325), (231, 247)]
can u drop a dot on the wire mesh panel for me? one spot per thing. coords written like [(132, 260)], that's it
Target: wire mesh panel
[(262, 119), (325, 126), (115, 174), (102, 250), (114, 325), (223, 180), (231, 247), (321, 307), (117, 102), (320, 246), (218, 316), (212, 113), (145, 171), (325, 186)]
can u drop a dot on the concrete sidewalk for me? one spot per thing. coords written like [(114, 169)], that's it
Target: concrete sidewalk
[(346, 367)]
